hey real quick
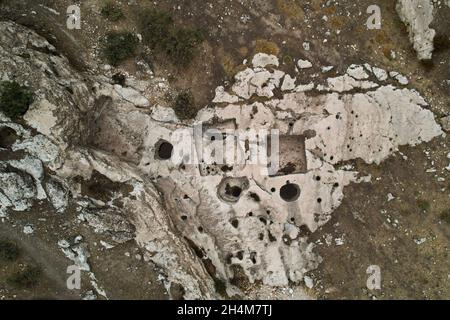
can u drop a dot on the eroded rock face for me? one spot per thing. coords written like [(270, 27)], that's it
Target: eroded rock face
[(63, 114), (199, 221), (262, 227), (417, 15)]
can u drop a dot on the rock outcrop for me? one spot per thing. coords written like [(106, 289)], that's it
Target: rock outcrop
[(200, 222), (417, 15)]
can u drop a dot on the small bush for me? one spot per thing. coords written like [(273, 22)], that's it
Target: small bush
[(445, 216), (181, 46), (158, 33), (221, 287), (8, 251), (423, 205), (119, 46), (112, 11), (155, 26), (184, 106), (27, 278), (14, 99)]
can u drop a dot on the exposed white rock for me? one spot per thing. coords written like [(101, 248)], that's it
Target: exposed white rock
[(163, 114), (34, 168), (445, 121), (327, 69), (17, 190), (288, 83), (28, 229), (417, 15), (241, 86), (357, 72), (224, 97), (308, 282), (399, 77), (262, 60), (39, 147), (132, 96), (304, 87), (380, 74), (260, 81), (390, 197), (40, 116), (58, 195), (304, 64), (348, 83)]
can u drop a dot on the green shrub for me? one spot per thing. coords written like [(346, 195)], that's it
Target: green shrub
[(423, 205), (180, 47), (27, 278), (159, 34), (155, 26), (8, 251), (445, 216), (14, 99), (221, 287), (112, 11), (184, 105), (119, 46)]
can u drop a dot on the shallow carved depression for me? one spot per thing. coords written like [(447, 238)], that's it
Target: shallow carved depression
[(230, 189), (290, 192), (164, 150)]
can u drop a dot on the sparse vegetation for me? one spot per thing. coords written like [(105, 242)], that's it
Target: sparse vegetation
[(266, 46), (159, 34), (180, 47), (445, 216), (14, 99), (112, 11), (423, 205), (184, 105), (155, 26), (221, 287), (8, 251), (27, 278), (119, 46)]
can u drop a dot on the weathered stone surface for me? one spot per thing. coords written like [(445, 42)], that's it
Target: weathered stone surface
[(445, 121), (177, 211), (304, 64), (132, 96), (417, 15), (262, 60)]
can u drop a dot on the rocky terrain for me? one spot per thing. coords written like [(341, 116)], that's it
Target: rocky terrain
[(89, 176)]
